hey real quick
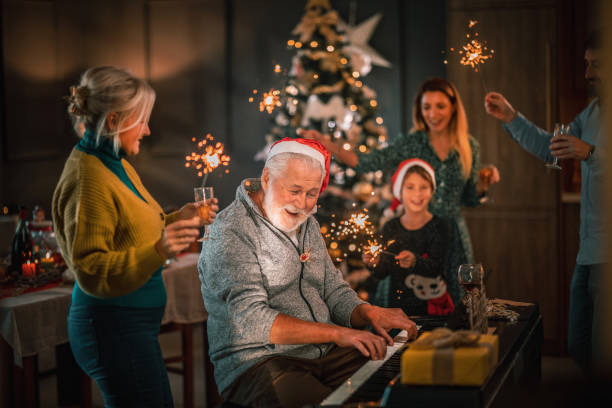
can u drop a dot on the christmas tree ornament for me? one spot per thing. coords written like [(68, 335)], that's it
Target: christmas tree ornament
[(359, 36), (363, 190), (315, 109)]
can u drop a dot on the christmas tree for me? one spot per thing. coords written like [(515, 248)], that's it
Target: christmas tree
[(324, 90)]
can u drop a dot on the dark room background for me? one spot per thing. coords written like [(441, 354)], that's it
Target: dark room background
[(204, 57)]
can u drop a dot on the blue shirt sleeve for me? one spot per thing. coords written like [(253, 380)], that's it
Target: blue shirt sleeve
[(532, 138)]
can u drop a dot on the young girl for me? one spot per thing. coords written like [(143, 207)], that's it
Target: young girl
[(420, 242)]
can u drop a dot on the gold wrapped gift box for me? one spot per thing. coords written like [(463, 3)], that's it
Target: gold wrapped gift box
[(468, 365)]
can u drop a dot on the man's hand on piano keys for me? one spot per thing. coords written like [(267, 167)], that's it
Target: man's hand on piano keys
[(383, 320), (369, 344)]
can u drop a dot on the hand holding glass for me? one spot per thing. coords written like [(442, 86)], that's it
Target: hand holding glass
[(202, 195), (560, 129)]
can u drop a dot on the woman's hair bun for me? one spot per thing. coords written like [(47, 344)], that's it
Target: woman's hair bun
[(78, 100)]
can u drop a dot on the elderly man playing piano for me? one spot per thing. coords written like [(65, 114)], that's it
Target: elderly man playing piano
[(283, 326)]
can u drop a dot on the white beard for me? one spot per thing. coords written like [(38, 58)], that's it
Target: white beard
[(275, 216)]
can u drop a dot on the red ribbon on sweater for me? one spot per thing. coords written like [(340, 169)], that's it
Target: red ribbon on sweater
[(441, 306)]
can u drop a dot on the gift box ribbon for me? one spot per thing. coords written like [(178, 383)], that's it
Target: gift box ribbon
[(445, 342)]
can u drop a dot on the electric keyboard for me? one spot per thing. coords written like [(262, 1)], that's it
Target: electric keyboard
[(369, 382), (377, 383)]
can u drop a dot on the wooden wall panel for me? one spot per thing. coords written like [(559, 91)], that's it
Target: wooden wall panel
[(47, 44), (187, 58), (424, 40), (186, 45), (203, 57), (30, 72), (100, 32), (516, 235)]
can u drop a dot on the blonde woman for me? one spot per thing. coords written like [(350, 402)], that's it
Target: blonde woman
[(116, 238), (440, 137)]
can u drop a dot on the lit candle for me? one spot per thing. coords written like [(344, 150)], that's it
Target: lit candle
[(46, 263), (28, 269)]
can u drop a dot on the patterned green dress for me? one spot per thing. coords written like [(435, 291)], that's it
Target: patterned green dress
[(453, 191)]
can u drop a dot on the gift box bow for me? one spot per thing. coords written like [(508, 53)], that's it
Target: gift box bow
[(442, 338)]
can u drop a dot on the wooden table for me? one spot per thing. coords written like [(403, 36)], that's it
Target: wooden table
[(29, 324), (34, 322)]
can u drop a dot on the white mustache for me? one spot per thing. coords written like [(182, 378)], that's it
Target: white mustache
[(296, 210)]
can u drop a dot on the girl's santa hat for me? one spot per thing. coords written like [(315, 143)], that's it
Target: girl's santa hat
[(308, 147), (398, 178)]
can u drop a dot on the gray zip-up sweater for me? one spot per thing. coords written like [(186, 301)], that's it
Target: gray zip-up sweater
[(250, 272)]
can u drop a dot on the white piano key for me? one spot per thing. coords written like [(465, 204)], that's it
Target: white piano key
[(344, 391)]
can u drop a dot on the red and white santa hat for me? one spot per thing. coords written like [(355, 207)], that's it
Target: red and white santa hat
[(403, 167), (398, 178), (308, 147)]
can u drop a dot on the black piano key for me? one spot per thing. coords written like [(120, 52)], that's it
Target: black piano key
[(373, 388)]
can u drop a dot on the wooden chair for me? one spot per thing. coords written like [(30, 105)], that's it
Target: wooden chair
[(187, 371)]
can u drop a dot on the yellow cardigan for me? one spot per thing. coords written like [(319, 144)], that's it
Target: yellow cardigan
[(106, 233)]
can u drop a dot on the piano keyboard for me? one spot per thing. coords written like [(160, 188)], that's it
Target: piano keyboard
[(373, 385)]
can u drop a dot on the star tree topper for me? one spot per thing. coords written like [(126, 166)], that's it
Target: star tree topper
[(359, 36)]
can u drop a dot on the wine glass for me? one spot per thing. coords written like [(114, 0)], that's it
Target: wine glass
[(470, 278), (202, 195), (560, 129)]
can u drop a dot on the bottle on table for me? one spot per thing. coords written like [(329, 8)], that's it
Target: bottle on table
[(22, 248)]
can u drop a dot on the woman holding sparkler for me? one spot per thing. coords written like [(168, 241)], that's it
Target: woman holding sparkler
[(440, 137), (420, 240), (116, 238)]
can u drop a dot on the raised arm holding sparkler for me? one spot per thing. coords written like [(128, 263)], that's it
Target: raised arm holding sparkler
[(585, 141)]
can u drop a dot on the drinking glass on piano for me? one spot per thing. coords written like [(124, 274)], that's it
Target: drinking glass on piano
[(560, 129), (202, 195), (470, 278)]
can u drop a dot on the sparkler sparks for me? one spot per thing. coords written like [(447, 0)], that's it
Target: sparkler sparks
[(375, 249), (357, 224), (208, 157), (475, 52), (359, 231), (269, 101)]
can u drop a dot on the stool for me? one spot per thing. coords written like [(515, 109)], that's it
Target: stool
[(212, 394), (213, 399), (186, 358)]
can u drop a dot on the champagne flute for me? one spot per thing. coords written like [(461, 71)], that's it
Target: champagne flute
[(485, 174), (470, 278), (202, 195), (560, 129)]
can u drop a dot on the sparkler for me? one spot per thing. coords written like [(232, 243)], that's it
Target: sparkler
[(475, 52), (375, 248), (209, 156), (269, 101), (357, 224)]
